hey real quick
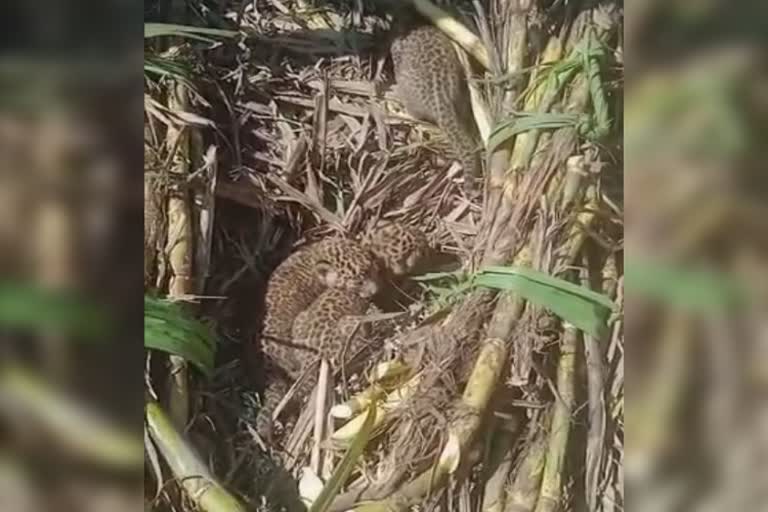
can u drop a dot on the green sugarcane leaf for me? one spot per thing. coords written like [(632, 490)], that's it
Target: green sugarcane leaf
[(580, 306), (690, 288), (168, 29), (168, 328), (29, 307)]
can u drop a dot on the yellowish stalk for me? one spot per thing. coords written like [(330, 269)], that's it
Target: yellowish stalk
[(389, 370), (560, 428), (187, 467), (505, 174), (455, 30), (179, 249), (657, 398), (179, 244), (523, 492), (357, 403), (479, 107), (344, 435), (79, 430), (501, 456), (537, 100), (461, 434), (517, 38), (387, 375), (55, 234)]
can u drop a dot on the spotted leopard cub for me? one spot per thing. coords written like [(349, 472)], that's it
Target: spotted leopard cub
[(332, 326), (431, 83), (311, 296), (336, 263), (328, 329), (399, 248)]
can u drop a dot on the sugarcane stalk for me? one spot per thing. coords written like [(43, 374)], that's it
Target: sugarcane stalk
[(516, 32), (461, 434), (179, 248), (501, 457), (501, 198), (479, 108), (187, 467), (55, 240), (79, 429), (596, 416), (523, 491), (658, 397), (560, 428), (454, 30), (540, 99)]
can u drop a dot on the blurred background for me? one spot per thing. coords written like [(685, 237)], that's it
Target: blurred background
[(71, 226), (696, 233)]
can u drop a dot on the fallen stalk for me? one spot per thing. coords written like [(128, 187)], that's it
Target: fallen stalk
[(191, 473)]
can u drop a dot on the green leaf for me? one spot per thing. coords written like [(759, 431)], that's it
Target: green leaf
[(690, 288), (340, 475), (580, 306), (167, 68), (543, 278), (199, 33), (445, 287), (593, 56), (168, 328), (25, 306), (527, 121)]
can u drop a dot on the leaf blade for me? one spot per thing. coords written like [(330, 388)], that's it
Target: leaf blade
[(169, 329), (170, 29), (577, 305)]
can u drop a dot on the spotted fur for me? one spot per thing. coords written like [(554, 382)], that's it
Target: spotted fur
[(431, 83), (399, 248), (312, 300)]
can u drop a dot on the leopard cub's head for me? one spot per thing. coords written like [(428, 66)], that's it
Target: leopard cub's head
[(345, 264), (400, 248)]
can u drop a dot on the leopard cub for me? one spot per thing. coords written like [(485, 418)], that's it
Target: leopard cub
[(328, 329), (334, 262), (399, 248), (313, 299), (432, 85)]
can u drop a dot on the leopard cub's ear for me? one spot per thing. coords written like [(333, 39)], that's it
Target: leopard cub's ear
[(326, 274)]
